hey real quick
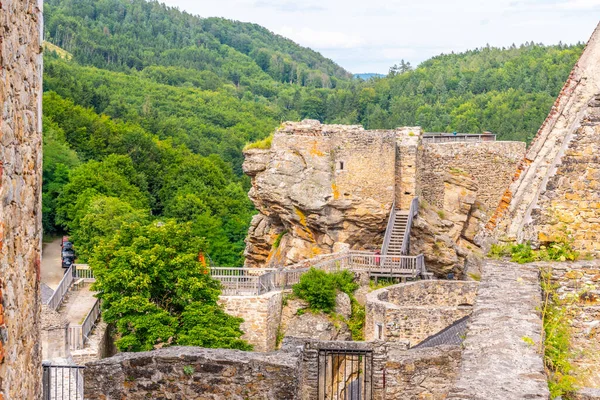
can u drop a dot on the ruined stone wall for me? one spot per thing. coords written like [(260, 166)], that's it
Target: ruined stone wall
[(407, 169), (578, 284), (569, 208), (419, 374), (491, 164), (193, 373), (412, 312), (20, 198), (261, 314)]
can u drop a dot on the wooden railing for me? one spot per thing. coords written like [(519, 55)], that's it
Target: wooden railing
[(79, 334), (257, 281), (461, 137), (389, 229), (62, 289), (412, 213)]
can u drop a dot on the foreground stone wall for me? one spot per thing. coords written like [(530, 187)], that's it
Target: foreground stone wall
[(261, 314), (193, 373), (550, 144), (570, 205), (491, 164), (578, 283), (414, 311), (420, 374), (20, 198)]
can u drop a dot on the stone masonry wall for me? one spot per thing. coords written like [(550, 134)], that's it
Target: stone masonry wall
[(20, 199), (193, 373), (412, 312), (578, 283), (491, 164), (570, 205), (421, 374), (407, 159), (261, 314)]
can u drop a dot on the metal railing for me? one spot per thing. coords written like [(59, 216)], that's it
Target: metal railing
[(461, 137), (413, 211), (257, 281), (388, 230), (62, 382), (83, 271), (62, 289), (79, 334), (75, 271)]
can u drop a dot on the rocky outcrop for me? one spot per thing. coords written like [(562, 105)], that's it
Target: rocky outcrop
[(317, 187), (446, 236)]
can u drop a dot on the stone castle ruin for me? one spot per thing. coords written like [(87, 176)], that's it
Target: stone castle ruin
[(321, 188), (329, 197)]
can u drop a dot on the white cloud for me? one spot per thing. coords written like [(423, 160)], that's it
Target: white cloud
[(318, 39)]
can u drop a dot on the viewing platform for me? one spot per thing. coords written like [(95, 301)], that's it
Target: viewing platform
[(433, 137)]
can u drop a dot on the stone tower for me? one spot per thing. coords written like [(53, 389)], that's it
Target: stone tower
[(20, 198), (556, 191)]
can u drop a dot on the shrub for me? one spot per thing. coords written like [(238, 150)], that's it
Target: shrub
[(318, 289)]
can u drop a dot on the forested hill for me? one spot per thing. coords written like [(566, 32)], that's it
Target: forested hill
[(126, 34)]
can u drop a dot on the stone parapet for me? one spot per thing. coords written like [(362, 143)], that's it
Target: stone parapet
[(497, 362), (414, 311)]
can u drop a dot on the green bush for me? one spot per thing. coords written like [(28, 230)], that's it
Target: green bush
[(318, 288)]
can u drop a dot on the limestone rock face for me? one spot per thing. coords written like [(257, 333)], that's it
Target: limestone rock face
[(315, 188), (445, 236)]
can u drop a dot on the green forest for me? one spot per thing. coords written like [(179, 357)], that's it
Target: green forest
[(147, 110)]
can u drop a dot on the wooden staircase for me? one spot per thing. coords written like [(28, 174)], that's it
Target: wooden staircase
[(398, 234)]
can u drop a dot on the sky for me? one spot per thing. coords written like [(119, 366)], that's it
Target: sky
[(370, 36)]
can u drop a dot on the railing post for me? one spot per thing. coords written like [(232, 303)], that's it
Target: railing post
[(46, 380)]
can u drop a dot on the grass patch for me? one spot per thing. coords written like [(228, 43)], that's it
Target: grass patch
[(380, 284), (278, 239), (474, 276), (523, 253), (557, 319), (441, 214), (261, 144)]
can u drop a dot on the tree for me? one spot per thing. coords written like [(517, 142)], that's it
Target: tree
[(157, 293)]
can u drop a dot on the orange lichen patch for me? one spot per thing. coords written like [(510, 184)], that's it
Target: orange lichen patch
[(504, 203), (315, 251), (301, 217), (314, 151), (336, 191)]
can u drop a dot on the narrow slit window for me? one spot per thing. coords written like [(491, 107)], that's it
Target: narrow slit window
[(379, 331), (340, 166)]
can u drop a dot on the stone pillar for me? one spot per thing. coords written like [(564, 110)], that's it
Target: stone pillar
[(20, 199), (262, 317), (407, 158)]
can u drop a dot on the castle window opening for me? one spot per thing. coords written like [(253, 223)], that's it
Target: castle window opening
[(340, 166)]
